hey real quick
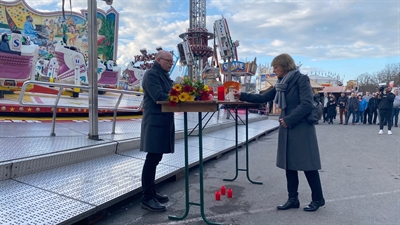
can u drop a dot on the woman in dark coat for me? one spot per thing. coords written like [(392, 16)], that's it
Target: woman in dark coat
[(297, 141), (331, 109), (158, 128)]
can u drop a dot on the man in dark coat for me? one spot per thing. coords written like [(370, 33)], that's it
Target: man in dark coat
[(297, 141), (351, 108), (342, 106), (385, 105), (158, 128), (373, 109)]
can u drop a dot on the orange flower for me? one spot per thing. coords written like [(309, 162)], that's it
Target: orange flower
[(174, 99)]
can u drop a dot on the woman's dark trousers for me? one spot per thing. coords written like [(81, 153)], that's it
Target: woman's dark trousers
[(313, 181), (149, 175)]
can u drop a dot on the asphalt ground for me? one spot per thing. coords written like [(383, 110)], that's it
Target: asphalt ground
[(360, 178)]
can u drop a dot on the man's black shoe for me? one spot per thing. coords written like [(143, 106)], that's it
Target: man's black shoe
[(314, 205), (161, 198), (153, 205)]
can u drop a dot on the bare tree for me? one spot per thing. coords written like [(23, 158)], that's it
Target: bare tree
[(366, 82), (369, 82)]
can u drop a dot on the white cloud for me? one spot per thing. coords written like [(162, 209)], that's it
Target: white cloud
[(319, 30)]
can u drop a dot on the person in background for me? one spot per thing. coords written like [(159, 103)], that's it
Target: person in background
[(361, 108), (157, 129), (351, 108), (331, 109), (366, 97), (396, 108), (334, 98), (373, 109), (318, 104), (342, 106), (325, 101), (385, 106), (293, 95)]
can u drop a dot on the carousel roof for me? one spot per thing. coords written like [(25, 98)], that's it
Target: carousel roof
[(271, 81), (334, 89)]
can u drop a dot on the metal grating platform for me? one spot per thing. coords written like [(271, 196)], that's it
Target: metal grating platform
[(176, 159), (98, 178), (17, 148), (23, 204), (96, 182), (15, 129)]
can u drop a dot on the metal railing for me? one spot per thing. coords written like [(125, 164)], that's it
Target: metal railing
[(62, 86)]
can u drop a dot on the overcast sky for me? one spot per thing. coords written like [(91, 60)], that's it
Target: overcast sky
[(345, 37)]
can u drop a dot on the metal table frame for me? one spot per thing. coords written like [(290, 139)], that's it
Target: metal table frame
[(236, 106), (199, 107)]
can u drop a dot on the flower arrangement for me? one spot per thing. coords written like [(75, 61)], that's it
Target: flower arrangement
[(189, 90)]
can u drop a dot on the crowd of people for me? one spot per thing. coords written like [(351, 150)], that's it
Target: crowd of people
[(381, 108)]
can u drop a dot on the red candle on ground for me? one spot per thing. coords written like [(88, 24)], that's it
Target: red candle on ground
[(230, 193), (223, 189), (217, 196), (221, 93)]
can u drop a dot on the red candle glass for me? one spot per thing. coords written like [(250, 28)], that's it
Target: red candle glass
[(223, 189), (221, 93), (217, 196), (230, 193)]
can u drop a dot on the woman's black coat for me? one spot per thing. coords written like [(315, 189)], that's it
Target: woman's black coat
[(297, 144)]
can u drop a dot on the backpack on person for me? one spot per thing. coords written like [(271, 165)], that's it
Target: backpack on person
[(315, 115)]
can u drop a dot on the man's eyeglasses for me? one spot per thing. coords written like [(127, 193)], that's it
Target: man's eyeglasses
[(168, 60)]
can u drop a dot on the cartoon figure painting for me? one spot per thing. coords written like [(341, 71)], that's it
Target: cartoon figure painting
[(46, 29), (30, 32)]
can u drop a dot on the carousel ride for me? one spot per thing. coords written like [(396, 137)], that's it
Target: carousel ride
[(132, 76), (57, 55), (17, 61)]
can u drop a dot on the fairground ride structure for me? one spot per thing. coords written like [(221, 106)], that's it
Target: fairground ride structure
[(197, 38), (133, 74)]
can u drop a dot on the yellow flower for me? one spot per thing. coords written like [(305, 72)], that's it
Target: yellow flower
[(206, 88), (183, 96), (190, 98), (174, 99), (178, 87)]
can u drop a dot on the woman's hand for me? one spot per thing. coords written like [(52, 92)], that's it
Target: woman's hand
[(236, 94), (283, 123)]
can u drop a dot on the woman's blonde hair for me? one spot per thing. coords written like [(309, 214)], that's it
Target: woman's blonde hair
[(284, 60)]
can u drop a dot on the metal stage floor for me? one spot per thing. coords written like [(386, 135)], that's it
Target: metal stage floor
[(63, 179)]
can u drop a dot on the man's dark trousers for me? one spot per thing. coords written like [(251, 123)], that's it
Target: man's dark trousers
[(149, 175), (366, 114)]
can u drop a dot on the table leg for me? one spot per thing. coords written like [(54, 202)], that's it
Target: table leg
[(188, 203), (247, 148), (201, 172), (236, 147)]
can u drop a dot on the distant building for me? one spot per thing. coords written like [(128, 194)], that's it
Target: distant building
[(326, 81)]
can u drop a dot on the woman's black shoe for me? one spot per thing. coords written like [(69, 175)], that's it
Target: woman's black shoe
[(291, 203), (314, 205)]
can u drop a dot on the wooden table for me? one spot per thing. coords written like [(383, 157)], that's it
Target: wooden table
[(199, 107)]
